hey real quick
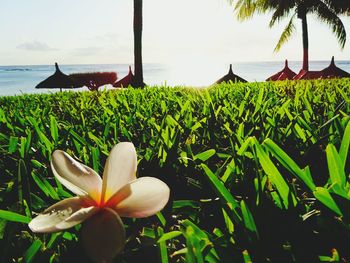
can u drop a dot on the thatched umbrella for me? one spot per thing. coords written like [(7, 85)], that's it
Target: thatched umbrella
[(307, 74), (58, 80), (230, 77), (94, 80), (332, 71), (285, 73), (128, 80)]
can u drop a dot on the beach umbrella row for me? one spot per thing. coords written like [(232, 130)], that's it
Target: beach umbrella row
[(94, 80), (332, 71)]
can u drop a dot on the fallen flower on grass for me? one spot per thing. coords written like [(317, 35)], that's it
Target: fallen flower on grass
[(101, 202)]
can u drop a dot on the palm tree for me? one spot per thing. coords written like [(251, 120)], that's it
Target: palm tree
[(342, 7), (326, 10), (138, 79)]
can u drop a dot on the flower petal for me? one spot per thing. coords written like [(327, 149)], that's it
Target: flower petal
[(140, 198), (77, 177), (120, 169), (103, 235), (62, 215)]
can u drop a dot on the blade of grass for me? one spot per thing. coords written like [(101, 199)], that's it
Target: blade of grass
[(289, 164), (223, 193), (334, 162), (344, 146), (14, 217)]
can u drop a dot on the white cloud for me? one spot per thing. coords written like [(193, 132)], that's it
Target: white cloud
[(36, 46)]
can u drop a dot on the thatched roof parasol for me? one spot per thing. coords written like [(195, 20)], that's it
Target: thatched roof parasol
[(128, 80), (332, 71), (230, 77), (58, 80), (93, 80), (306, 74), (285, 73)]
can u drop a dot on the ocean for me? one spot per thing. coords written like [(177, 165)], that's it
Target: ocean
[(15, 80)]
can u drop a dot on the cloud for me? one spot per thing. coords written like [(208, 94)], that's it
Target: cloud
[(36, 46)]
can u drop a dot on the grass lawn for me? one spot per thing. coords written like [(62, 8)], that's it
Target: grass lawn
[(258, 172)]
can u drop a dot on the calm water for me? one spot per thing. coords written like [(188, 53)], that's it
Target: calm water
[(23, 79)]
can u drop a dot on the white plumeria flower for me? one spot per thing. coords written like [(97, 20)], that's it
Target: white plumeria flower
[(101, 202)]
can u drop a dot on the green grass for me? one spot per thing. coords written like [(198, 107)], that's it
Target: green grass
[(258, 172)]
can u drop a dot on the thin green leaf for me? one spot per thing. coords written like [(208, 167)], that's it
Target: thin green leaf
[(224, 194), (325, 198), (45, 186), (289, 164), (14, 217), (335, 167), (162, 247), (344, 146), (169, 235), (248, 219), (32, 251), (13, 144), (203, 156), (273, 174), (54, 128)]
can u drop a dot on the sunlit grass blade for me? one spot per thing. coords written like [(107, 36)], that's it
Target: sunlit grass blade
[(335, 167), (32, 251), (45, 186), (194, 252), (162, 247), (274, 175), (344, 146), (325, 198), (248, 219), (289, 163), (245, 145), (13, 144), (246, 257), (203, 156), (54, 128), (169, 235), (223, 193), (14, 217)]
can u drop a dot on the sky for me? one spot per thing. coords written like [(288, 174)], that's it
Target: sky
[(38, 32)]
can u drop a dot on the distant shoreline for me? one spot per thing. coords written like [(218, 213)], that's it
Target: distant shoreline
[(20, 79), (160, 63)]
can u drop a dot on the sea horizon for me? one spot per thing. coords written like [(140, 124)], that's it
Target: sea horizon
[(22, 79)]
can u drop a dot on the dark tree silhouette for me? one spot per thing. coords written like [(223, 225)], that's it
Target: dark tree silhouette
[(327, 11), (138, 79)]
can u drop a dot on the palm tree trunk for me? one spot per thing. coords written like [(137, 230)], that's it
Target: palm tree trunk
[(305, 41), (138, 81)]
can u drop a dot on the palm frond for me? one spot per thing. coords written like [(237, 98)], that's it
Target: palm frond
[(339, 6), (328, 15), (278, 15), (287, 32), (245, 9)]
